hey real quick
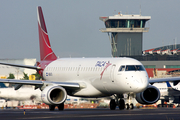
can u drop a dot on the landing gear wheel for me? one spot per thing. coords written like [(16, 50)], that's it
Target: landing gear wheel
[(121, 104), (127, 106), (61, 107), (131, 106), (51, 107), (112, 104)]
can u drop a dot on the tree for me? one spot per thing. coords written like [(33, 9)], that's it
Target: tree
[(25, 77), (38, 76), (11, 76)]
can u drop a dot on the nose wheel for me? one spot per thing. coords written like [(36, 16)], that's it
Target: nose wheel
[(127, 106), (131, 106)]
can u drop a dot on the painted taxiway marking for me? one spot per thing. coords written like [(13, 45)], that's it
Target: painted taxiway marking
[(102, 115)]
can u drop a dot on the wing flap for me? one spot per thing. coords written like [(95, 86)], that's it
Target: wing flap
[(24, 82)]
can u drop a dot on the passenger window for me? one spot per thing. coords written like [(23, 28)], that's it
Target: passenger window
[(122, 68)]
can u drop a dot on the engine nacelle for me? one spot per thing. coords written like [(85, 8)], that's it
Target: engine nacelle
[(53, 95), (150, 96)]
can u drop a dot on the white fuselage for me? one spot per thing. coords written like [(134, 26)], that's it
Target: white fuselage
[(20, 94), (100, 76)]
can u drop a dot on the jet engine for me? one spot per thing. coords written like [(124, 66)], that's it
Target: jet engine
[(53, 95), (150, 96)]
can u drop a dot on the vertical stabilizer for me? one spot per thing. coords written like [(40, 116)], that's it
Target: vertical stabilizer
[(46, 52)]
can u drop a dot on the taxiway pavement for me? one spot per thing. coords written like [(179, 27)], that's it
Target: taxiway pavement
[(89, 114)]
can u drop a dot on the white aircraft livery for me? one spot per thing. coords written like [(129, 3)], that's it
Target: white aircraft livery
[(88, 77), (24, 93), (169, 92)]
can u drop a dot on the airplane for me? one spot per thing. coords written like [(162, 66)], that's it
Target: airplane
[(88, 77), (168, 93), (21, 94)]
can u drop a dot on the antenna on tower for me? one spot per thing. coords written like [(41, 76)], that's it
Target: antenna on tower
[(127, 9), (114, 12)]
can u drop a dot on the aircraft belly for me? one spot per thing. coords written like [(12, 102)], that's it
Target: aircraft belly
[(89, 91)]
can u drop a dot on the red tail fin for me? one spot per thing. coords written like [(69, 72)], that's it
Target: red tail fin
[(46, 52)]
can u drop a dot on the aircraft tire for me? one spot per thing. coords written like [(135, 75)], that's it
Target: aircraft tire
[(51, 107), (127, 106), (112, 104), (61, 107), (131, 106), (121, 104)]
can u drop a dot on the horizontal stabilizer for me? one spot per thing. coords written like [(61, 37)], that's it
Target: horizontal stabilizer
[(23, 66)]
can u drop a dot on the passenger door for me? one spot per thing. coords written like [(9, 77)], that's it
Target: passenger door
[(112, 73)]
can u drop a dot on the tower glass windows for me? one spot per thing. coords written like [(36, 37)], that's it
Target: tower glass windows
[(131, 23)]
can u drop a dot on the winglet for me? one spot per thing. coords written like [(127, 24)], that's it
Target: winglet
[(2, 85), (168, 85), (46, 52)]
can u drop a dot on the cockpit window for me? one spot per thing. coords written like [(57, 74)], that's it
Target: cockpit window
[(122, 68), (134, 68), (130, 68), (140, 68)]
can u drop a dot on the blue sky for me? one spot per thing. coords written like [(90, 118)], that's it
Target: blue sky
[(73, 25)]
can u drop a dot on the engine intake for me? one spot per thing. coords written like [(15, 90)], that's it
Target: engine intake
[(53, 95), (150, 96)]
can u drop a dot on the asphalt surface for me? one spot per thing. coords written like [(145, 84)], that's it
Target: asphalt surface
[(89, 114)]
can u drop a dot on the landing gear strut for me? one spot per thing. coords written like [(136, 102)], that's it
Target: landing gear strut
[(121, 103), (129, 105)]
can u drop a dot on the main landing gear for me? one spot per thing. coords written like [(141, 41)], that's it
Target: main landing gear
[(60, 107), (120, 103)]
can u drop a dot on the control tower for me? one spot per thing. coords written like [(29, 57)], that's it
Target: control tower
[(125, 33)]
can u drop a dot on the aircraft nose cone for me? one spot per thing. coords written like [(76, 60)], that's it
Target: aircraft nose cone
[(142, 84)]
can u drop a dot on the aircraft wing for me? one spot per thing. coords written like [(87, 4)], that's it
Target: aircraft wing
[(168, 79), (23, 66), (38, 83)]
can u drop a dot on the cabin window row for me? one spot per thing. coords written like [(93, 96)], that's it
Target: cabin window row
[(166, 88), (75, 69)]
